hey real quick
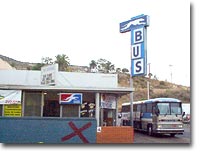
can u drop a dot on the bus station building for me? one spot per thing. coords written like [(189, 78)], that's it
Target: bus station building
[(40, 105)]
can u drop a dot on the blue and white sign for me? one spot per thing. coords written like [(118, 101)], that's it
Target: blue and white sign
[(141, 20), (138, 67), (137, 25), (138, 52)]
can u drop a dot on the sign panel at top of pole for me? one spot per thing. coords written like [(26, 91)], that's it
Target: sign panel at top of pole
[(134, 22)]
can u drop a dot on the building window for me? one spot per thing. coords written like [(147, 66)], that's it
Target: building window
[(70, 110), (32, 104), (87, 109), (138, 108)]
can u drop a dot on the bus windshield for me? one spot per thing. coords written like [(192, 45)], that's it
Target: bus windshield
[(169, 108)]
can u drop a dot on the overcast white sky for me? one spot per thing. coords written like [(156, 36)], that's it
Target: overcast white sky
[(87, 30)]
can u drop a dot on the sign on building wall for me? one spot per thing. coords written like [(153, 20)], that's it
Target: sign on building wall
[(10, 97), (108, 101), (49, 74), (12, 110), (137, 25), (70, 98)]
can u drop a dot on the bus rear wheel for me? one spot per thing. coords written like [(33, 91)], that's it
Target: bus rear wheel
[(150, 130), (172, 134)]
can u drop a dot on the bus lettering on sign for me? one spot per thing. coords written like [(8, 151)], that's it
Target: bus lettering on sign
[(137, 25)]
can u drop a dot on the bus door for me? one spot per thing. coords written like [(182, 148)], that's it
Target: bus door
[(137, 121), (138, 113), (154, 114)]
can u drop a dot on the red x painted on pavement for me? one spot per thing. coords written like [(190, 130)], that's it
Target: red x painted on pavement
[(77, 132)]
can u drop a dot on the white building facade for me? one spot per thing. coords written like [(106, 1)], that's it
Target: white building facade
[(99, 95)]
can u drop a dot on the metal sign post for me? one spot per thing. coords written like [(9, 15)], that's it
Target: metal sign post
[(137, 25)]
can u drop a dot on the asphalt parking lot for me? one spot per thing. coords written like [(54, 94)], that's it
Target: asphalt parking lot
[(142, 137)]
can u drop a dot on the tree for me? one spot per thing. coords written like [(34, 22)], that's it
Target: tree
[(109, 67), (125, 70), (93, 66), (44, 61), (63, 62), (118, 70), (47, 60), (37, 66), (105, 66), (150, 75)]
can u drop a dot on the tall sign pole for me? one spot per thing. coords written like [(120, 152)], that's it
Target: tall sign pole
[(148, 82), (137, 25)]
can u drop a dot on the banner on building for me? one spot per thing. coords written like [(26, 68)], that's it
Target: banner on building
[(108, 101), (10, 97)]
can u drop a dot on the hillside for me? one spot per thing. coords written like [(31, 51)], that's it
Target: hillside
[(5, 66), (157, 88), (9, 63), (17, 64)]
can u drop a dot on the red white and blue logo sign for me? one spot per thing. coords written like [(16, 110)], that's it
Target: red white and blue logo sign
[(70, 98)]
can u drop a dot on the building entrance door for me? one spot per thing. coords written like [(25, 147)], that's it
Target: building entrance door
[(108, 117)]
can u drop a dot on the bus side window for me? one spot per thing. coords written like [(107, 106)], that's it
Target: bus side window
[(135, 108), (149, 108), (126, 108), (139, 108), (144, 108)]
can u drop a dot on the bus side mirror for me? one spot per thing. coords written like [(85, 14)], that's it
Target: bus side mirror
[(157, 112), (183, 114)]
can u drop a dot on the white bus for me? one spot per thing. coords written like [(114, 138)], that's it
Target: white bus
[(159, 115)]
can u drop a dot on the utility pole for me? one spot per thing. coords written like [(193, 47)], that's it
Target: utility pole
[(131, 102), (171, 71), (148, 82)]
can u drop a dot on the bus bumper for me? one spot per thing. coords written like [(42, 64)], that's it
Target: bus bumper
[(166, 131)]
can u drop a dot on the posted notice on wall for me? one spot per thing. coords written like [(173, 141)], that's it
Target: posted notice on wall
[(12, 110), (10, 97), (108, 101), (49, 74)]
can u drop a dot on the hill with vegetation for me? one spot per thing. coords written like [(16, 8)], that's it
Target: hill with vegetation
[(157, 88)]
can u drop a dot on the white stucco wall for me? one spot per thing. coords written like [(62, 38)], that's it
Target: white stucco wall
[(68, 79)]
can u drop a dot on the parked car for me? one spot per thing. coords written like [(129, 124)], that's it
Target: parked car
[(186, 118)]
